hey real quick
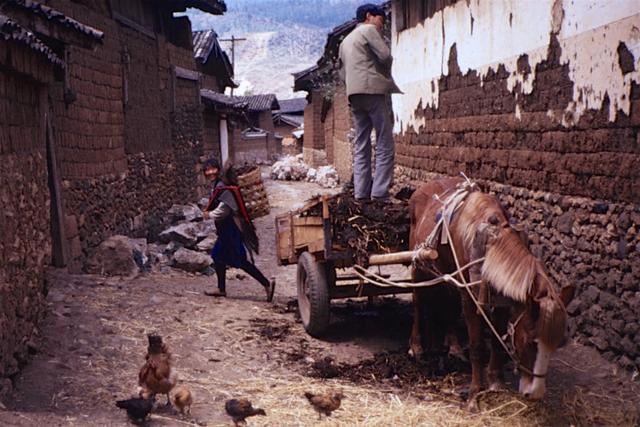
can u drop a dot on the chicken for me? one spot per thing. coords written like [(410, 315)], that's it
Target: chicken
[(155, 374), (183, 399), (239, 409), (325, 403), (138, 408)]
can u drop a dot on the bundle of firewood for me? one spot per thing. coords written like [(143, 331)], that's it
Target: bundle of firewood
[(253, 191)]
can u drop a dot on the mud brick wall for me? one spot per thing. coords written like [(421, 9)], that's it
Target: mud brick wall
[(211, 136), (146, 76), (128, 132), (313, 147), (337, 132), (25, 247), (572, 181)]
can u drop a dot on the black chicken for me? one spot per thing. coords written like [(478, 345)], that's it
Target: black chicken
[(138, 408), (239, 409)]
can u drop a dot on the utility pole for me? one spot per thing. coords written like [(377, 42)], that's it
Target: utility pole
[(233, 41)]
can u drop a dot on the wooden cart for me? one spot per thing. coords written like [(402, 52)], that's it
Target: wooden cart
[(305, 237)]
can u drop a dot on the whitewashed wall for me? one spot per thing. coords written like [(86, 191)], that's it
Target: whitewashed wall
[(488, 33)]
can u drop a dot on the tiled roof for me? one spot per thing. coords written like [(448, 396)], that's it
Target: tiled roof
[(253, 103), (295, 105), (261, 102), (58, 18), (289, 119), (9, 30), (206, 48), (221, 100), (215, 7)]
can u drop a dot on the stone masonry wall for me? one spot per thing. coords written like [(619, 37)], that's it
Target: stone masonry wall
[(25, 247), (575, 188)]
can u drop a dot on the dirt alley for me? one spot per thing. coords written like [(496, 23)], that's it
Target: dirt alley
[(94, 339)]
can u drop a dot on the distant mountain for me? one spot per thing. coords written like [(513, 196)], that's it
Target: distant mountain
[(283, 37)]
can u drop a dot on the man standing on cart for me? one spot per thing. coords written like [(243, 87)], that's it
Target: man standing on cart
[(365, 66), (236, 234)]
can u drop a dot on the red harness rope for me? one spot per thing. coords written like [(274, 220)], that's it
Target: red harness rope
[(235, 190)]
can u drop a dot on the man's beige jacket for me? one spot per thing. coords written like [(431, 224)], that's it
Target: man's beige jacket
[(365, 62)]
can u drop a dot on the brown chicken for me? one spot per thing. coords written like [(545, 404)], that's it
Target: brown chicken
[(155, 374), (183, 399), (239, 409), (325, 403)]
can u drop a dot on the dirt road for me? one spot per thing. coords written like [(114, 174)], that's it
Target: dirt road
[(94, 340)]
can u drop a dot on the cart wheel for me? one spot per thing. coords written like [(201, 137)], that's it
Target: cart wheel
[(313, 295)]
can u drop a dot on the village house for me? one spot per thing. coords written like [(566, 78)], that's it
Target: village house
[(82, 154), (287, 120), (251, 134), (217, 75), (539, 101)]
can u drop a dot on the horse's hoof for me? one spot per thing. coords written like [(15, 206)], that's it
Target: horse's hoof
[(497, 386), (472, 405), (415, 352), (456, 352)]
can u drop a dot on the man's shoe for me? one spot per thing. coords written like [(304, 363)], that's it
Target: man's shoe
[(270, 289), (215, 293)]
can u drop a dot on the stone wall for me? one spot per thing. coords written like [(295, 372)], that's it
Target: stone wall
[(132, 126), (531, 127), (25, 246)]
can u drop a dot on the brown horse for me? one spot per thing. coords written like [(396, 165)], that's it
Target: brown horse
[(513, 289)]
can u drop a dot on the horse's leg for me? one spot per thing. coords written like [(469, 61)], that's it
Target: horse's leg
[(476, 346), (415, 342), (495, 375)]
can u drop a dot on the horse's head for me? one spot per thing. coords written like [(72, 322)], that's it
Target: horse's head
[(538, 324), (538, 329)]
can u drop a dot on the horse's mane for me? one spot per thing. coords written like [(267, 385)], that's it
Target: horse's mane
[(508, 267)]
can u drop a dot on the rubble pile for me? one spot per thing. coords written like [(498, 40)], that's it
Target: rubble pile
[(325, 176), (185, 244), (293, 168), (290, 168)]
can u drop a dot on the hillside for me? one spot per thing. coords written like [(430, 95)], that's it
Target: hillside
[(283, 37)]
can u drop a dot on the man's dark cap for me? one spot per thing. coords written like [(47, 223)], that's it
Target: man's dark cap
[(211, 163), (374, 9)]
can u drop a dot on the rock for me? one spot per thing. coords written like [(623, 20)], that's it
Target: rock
[(188, 213), (189, 260), (607, 301), (565, 222), (628, 346), (206, 229), (624, 222), (590, 296), (599, 342), (600, 208), (207, 244), (185, 234), (114, 257)]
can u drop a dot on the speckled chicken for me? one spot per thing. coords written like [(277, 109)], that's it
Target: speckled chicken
[(182, 399), (155, 374), (325, 403), (239, 409)]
